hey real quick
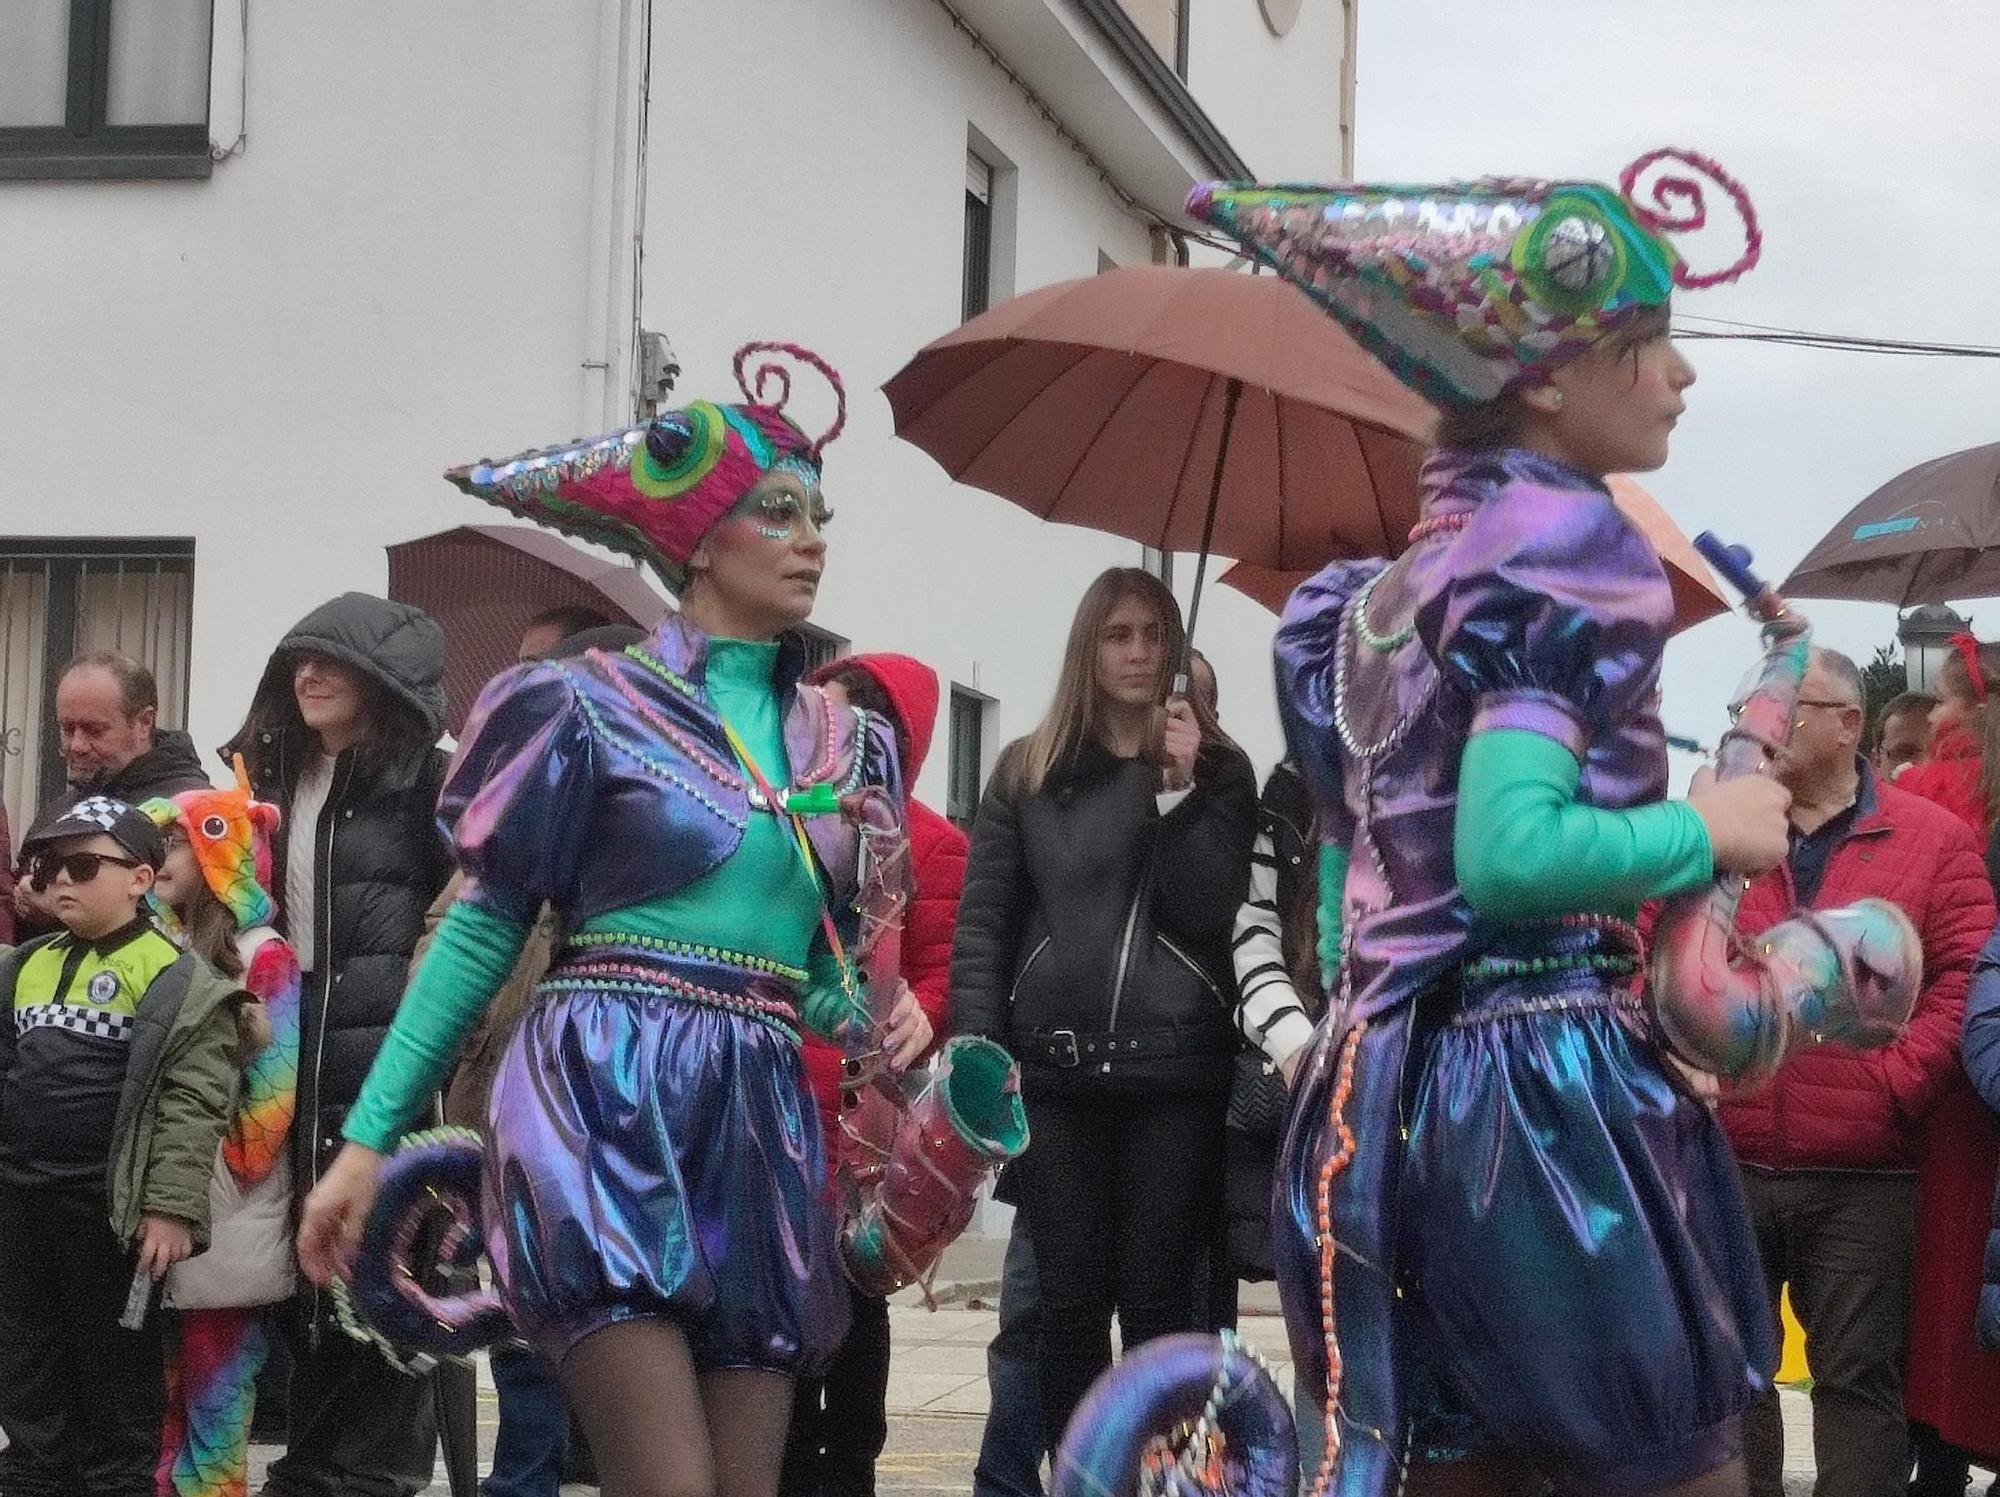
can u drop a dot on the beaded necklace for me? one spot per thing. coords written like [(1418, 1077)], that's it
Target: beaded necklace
[(1382, 644), (658, 768), (820, 772)]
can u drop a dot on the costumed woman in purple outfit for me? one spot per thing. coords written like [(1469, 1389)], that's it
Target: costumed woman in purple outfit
[(655, 1190), (1510, 1238)]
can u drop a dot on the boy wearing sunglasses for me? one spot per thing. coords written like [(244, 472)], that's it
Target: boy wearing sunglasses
[(118, 1077)]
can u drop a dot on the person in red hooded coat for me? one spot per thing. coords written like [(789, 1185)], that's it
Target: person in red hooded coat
[(840, 1421), (1951, 1387)]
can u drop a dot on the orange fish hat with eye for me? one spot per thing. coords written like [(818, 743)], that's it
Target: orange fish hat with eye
[(230, 832)]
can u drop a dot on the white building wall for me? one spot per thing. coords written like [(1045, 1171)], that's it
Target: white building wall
[(395, 275), (1276, 98), (280, 361)]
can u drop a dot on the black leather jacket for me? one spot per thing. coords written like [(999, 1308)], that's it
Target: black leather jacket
[(1094, 931)]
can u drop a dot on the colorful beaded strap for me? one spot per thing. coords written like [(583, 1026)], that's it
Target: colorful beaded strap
[(1568, 1003), (1616, 964), (623, 977), (666, 946)]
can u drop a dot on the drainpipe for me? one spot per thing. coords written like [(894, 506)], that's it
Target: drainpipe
[(608, 291)]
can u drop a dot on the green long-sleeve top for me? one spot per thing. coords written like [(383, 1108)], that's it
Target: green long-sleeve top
[(1525, 848), (764, 901)]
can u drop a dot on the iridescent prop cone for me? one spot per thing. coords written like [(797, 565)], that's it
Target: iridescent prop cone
[(1736, 1008)]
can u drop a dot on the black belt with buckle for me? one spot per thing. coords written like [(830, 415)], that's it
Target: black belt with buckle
[(1066, 1049)]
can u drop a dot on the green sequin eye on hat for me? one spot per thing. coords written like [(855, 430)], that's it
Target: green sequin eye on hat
[(680, 450), (1572, 256)]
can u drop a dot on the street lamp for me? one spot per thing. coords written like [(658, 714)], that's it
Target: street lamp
[(1925, 635)]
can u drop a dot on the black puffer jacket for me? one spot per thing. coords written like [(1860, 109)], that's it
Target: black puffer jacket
[(380, 859), (1093, 934)]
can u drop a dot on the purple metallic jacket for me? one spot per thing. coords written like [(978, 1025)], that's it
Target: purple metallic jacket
[(1514, 634), (589, 784), (1513, 631)]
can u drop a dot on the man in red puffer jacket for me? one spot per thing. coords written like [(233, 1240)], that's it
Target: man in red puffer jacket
[(1829, 1147), (839, 1421)]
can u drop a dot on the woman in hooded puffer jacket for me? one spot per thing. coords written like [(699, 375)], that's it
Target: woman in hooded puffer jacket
[(341, 736)]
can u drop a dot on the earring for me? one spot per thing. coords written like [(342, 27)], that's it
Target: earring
[(1555, 400)]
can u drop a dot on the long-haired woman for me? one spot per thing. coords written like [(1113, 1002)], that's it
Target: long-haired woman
[(1109, 857), (655, 1188)]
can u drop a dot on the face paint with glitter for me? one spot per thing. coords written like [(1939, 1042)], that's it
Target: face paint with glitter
[(785, 503)]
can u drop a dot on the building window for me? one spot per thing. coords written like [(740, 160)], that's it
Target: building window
[(968, 756), (104, 88), (822, 645), (1164, 24), (60, 599), (978, 279)]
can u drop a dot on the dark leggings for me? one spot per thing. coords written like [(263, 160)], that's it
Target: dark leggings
[(1120, 1195), (840, 1420)]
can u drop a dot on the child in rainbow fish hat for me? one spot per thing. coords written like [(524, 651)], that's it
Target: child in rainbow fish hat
[(215, 884)]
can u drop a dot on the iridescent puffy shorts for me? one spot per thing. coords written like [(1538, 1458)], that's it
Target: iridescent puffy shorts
[(1576, 1277), (1586, 1279), (653, 1151)]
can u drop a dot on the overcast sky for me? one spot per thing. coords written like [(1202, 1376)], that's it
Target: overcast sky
[(1868, 133)]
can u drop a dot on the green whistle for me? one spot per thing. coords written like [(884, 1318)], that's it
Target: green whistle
[(816, 800)]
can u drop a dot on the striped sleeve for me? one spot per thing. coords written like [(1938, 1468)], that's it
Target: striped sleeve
[(1268, 1010)]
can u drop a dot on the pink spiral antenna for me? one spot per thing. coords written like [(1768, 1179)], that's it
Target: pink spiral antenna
[(755, 383), (1678, 206)]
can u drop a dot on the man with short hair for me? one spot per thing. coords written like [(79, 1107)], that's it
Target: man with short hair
[(107, 706), (552, 626), (1829, 1147), (1903, 732)]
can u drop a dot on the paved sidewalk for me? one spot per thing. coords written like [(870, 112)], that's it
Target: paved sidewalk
[(938, 1394)]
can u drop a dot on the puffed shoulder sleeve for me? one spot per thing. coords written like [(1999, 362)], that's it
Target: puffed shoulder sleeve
[(516, 802), (875, 749), (1550, 613), (1307, 655)]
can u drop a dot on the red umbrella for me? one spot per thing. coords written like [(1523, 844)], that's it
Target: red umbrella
[(1697, 595), (483, 583), (1189, 410)]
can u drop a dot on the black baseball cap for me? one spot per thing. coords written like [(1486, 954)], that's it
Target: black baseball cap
[(102, 816)]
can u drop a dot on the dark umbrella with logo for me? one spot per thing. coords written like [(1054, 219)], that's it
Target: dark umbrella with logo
[(1925, 536)]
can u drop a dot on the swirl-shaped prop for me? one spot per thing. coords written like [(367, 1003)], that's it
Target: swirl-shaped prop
[(1678, 206), (753, 385), (422, 1234), (1851, 975), (1179, 1416)]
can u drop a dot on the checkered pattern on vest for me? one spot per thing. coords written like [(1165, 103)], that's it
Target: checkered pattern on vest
[(102, 1026)]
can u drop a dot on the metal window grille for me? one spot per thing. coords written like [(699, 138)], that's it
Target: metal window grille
[(967, 730), (60, 599), (978, 272), (104, 88)]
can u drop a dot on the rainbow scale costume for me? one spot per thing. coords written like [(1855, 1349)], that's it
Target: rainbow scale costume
[(220, 1345)]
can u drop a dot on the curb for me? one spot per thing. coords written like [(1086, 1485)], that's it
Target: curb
[(961, 1292)]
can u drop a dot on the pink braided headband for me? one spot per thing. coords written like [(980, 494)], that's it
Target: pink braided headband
[(753, 386), (1679, 207)]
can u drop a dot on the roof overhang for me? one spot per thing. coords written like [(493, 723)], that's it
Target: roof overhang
[(1103, 80)]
